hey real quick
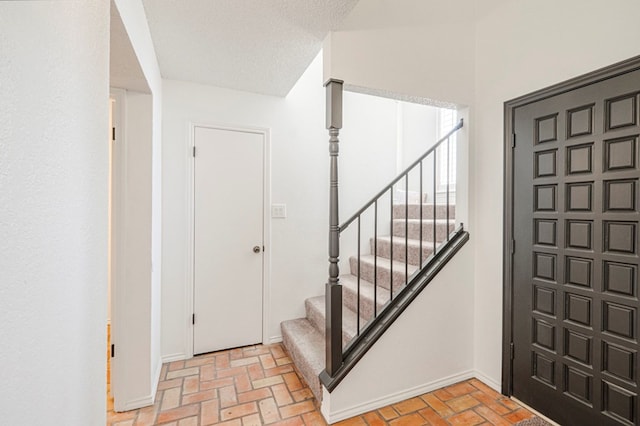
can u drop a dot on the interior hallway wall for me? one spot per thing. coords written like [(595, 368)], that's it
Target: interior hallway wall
[(54, 74), (406, 47)]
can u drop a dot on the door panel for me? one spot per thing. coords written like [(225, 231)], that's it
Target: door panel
[(575, 226), (228, 224)]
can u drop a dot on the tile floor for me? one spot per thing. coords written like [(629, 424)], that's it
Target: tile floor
[(258, 385)]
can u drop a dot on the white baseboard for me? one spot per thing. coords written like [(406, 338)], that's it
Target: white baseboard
[(138, 403), (145, 401), (275, 339), (390, 399), (488, 381), (180, 356), (156, 381), (174, 357)]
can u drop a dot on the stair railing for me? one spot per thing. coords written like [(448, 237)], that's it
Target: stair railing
[(335, 353)]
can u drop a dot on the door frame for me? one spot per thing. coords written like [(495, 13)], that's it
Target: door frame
[(119, 380), (611, 71), (266, 228)]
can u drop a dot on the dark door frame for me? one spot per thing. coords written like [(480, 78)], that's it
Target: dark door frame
[(614, 70)]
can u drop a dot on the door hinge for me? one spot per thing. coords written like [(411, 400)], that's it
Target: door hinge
[(513, 351), (193, 318), (113, 351), (513, 246), (194, 151), (513, 140), (113, 133)]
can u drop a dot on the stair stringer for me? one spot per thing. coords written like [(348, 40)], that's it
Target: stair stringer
[(427, 347)]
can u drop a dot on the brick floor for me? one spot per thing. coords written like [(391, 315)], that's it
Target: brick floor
[(259, 385)]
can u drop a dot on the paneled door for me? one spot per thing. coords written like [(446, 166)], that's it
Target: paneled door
[(575, 258), (228, 238)]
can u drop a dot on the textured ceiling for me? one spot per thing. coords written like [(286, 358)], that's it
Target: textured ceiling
[(260, 46)]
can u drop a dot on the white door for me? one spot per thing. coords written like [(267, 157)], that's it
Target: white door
[(228, 237)]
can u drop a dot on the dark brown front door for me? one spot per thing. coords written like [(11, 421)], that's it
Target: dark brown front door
[(575, 261)]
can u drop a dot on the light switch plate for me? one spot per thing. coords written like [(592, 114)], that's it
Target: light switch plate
[(279, 211)]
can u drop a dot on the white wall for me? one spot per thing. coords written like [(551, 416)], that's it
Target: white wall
[(368, 149), (429, 346), (53, 211), (419, 130), (367, 162), (138, 299), (515, 57), (418, 133), (410, 47)]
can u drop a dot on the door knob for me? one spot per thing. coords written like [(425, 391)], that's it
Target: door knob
[(256, 249)]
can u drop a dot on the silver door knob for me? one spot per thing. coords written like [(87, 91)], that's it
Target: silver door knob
[(256, 249)]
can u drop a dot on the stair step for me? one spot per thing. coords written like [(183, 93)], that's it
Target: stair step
[(427, 211), (383, 249), (427, 229), (350, 297), (400, 196), (305, 345), (315, 308), (383, 272)]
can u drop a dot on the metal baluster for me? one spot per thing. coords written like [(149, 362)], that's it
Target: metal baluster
[(375, 259), (406, 228), (333, 293), (435, 168), (448, 178), (421, 214), (391, 244), (358, 298)]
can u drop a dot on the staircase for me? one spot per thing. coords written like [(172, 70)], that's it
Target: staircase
[(396, 255), (387, 272)]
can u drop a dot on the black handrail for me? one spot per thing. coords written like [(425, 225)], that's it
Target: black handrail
[(401, 175)]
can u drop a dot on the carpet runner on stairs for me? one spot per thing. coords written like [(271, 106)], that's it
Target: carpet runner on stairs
[(304, 338)]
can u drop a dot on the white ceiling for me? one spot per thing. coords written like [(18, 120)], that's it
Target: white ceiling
[(260, 46)]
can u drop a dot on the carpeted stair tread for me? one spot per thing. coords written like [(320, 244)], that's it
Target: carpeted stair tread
[(414, 197), (350, 296), (383, 272), (315, 307), (427, 211), (306, 348), (383, 249), (413, 226), (410, 241)]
